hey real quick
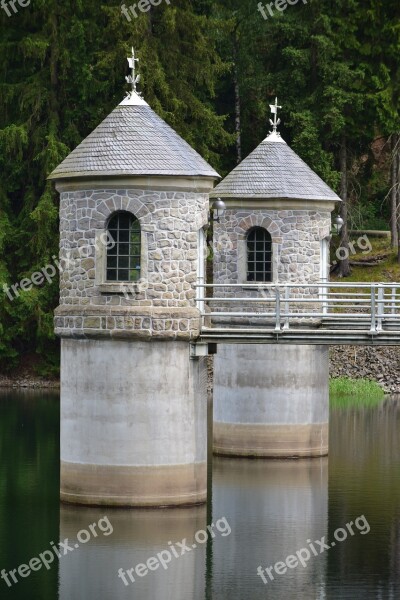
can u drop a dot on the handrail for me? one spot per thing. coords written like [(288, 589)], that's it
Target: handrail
[(348, 284), (284, 306)]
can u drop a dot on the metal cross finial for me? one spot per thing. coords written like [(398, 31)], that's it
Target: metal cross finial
[(276, 121), (133, 79)]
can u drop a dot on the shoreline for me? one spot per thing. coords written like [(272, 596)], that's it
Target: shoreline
[(27, 381), (380, 364), (377, 363)]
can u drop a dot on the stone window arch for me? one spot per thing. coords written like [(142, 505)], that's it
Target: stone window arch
[(123, 261), (259, 255)]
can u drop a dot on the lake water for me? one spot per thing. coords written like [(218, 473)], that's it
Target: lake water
[(263, 511)]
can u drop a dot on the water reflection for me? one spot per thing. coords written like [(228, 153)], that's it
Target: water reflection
[(273, 507), (364, 479), (29, 487), (91, 572)]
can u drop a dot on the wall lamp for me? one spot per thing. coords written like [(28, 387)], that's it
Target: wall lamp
[(337, 225), (218, 209)]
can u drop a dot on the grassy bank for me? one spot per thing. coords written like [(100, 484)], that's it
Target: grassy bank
[(344, 391), (382, 266), (386, 268)]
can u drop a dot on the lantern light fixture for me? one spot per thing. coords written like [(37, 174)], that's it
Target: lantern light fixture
[(337, 225), (218, 209)]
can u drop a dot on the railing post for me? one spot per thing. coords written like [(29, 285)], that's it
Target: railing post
[(393, 301), (373, 309), (286, 324), (381, 306), (278, 309), (323, 298)]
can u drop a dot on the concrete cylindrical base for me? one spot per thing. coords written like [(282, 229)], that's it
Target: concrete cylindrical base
[(133, 423), (271, 401)]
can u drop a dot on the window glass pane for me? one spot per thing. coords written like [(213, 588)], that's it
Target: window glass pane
[(112, 262), (123, 274), (134, 275), (136, 226), (135, 237), (113, 224), (124, 236), (259, 255), (123, 262), (123, 249), (111, 275), (134, 262), (124, 221), (123, 258)]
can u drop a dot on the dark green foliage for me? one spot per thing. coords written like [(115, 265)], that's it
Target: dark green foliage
[(333, 66)]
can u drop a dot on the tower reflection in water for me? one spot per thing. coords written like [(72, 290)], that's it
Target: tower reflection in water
[(273, 508), (91, 571)]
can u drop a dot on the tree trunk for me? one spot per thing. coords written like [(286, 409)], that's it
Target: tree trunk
[(54, 60), (344, 264), (394, 191), (238, 122), (396, 160)]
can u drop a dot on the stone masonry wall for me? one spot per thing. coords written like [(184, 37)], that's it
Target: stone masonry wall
[(296, 238), (296, 258), (163, 303)]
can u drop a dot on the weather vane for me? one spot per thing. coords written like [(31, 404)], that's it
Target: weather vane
[(276, 121), (133, 79)]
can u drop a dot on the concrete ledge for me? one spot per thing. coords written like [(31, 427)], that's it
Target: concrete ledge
[(135, 334), (173, 183), (154, 486), (271, 441), (138, 322), (160, 312)]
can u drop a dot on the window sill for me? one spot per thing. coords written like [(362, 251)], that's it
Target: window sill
[(119, 288)]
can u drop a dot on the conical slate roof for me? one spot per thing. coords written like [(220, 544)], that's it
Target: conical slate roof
[(133, 140), (273, 170)]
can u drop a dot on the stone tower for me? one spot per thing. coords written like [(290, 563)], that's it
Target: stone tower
[(134, 201), (272, 400)]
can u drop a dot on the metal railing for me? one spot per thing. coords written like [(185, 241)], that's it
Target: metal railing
[(371, 307)]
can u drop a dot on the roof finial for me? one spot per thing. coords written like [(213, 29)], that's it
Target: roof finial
[(133, 79), (276, 121)]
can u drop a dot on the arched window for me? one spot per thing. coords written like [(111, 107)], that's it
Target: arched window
[(259, 255), (123, 256)]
